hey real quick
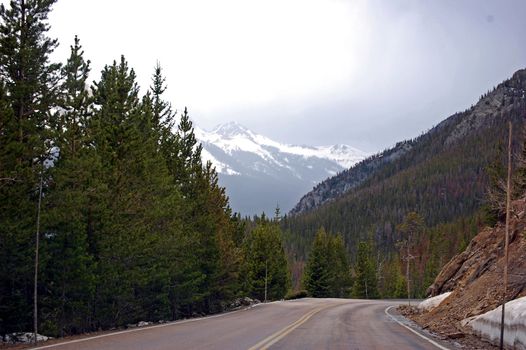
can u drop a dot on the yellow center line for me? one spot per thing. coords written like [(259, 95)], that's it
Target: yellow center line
[(274, 338)]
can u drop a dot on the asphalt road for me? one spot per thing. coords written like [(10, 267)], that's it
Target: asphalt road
[(299, 324)]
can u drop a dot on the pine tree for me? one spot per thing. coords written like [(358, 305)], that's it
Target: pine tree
[(181, 261), (339, 265), (192, 179), (164, 116), (29, 84), (186, 162), (75, 103), (327, 272), (392, 284), (68, 274), (317, 278), (207, 216), (365, 281), (225, 286), (265, 263)]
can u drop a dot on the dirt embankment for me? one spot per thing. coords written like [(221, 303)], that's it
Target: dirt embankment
[(475, 277)]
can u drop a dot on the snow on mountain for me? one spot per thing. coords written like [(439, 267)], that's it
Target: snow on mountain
[(221, 168), (260, 173), (232, 137)]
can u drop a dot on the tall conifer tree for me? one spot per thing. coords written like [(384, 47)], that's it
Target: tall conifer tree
[(68, 273), (327, 272), (29, 82), (265, 262), (365, 285), (317, 278)]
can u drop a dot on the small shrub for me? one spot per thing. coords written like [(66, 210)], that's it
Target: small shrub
[(296, 295)]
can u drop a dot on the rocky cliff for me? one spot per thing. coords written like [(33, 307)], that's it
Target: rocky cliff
[(475, 276)]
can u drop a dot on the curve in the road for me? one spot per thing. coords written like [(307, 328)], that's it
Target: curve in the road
[(300, 324)]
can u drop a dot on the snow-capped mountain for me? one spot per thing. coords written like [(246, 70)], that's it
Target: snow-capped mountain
[(260, 173)]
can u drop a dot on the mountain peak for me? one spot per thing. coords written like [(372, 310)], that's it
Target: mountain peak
[(230, 129)]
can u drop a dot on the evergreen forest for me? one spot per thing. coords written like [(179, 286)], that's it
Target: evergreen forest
[(108, 215)]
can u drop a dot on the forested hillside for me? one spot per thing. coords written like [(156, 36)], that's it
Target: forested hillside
[(442, 176), (108, 215)]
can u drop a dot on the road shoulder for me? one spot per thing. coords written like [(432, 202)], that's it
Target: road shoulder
[(438, 342)]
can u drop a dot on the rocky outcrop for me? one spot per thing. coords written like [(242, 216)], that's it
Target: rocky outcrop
[(475, 276), (501, 99)]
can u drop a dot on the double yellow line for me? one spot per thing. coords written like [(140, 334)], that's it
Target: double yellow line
[(274, 338)]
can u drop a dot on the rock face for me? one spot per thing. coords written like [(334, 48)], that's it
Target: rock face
[(475, 276), (501, 99)]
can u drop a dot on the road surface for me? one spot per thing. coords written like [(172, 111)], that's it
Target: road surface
[(299, 324)]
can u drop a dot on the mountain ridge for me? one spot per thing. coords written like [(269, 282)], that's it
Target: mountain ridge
[(476, 117)]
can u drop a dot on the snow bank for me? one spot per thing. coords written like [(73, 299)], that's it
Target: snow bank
[(433, 302), (487, 325), (24, 337)]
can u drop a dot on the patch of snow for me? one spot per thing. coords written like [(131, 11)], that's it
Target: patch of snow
[(230, 171), (54, 154), (24, 337), (50, 235), (221, 168), (487, 325), (431, 303)]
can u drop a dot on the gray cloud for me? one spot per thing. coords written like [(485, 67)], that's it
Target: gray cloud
[(365, 73), (426, 61)]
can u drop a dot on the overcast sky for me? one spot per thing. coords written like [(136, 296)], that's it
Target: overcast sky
[(364, 73)]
